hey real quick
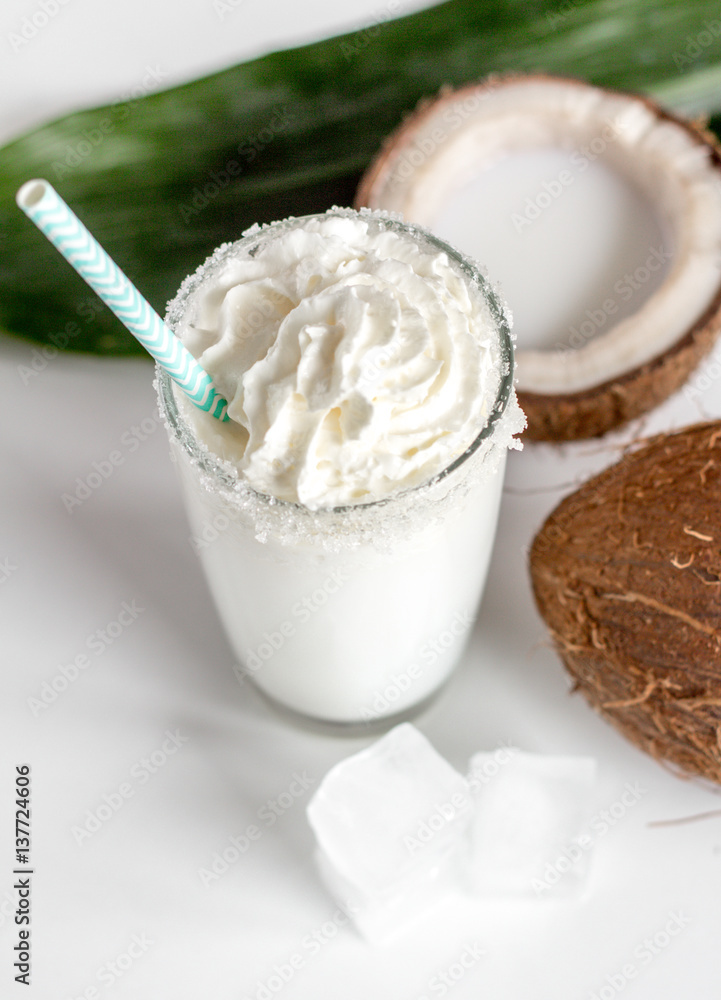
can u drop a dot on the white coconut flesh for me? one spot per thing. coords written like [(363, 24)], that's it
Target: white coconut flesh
[(451, 142)]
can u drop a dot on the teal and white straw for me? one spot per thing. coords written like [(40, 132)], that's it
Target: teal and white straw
[(44, 206)]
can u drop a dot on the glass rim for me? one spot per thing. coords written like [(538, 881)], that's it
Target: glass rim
[(214, 466)]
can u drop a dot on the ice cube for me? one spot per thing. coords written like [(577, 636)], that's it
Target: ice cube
[(390, 823), (529, 832)]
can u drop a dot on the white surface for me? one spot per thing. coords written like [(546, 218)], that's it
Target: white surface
[(100, 51), (141, 873)]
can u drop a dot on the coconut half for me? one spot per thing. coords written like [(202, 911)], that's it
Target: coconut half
[(626, 573), (629, 362)]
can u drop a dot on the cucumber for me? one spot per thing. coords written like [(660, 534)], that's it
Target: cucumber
[(162, 180)]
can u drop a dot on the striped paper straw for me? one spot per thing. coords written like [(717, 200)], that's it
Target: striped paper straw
[(44, 206)]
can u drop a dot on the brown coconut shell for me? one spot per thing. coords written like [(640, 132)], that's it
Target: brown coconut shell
[(626, 573), (595, 411), (610, 404)]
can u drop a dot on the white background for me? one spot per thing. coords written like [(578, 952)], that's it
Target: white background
[(137, 877)]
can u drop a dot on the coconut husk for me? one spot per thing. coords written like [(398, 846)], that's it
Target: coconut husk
[(626, 573)]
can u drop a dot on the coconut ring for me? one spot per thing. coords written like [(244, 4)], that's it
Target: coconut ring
[(641, 360)]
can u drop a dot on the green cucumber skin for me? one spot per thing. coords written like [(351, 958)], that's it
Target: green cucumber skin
[(324, 110)]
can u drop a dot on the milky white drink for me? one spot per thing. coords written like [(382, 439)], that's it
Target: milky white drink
[(345, 515)]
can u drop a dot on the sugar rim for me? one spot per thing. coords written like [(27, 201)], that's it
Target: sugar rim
[(221, 472)]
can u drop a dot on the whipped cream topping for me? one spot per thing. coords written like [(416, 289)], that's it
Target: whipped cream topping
[(357, 363)]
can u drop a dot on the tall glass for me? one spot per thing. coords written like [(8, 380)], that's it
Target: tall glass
[(359, 613)]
